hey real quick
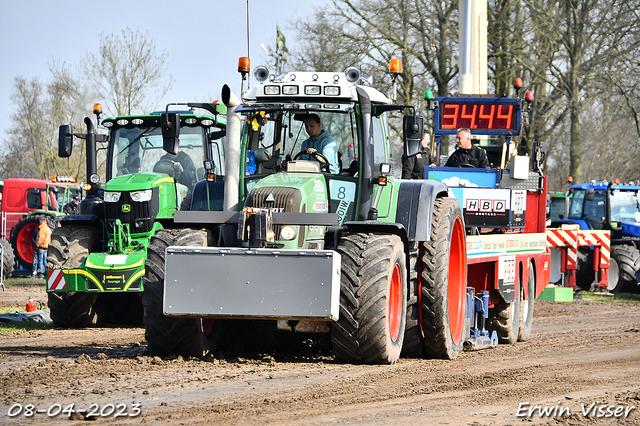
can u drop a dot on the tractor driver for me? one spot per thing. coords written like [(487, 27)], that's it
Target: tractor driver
[(467, 155), (320, 141), (180, 167)]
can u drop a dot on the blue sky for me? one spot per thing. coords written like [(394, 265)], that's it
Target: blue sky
[(203, 39)]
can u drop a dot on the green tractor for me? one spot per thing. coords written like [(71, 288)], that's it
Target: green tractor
[(286, 241), (96, 259)]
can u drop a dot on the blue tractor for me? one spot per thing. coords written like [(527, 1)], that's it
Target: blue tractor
[(614, 207)]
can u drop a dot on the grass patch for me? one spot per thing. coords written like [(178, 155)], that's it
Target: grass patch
[(24, 281), (18, 326), (619, 297), (10, 309)]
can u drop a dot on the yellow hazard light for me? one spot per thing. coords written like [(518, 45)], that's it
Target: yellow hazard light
[(395, 66), (244, 65), (97, 109)]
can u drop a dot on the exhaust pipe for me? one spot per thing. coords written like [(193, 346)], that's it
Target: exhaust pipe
[(232, 150)]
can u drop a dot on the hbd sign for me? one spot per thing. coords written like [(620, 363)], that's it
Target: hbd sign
[(486, 207)]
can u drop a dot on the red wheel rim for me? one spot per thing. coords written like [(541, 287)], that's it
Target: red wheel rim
[(24, 245), (456, 290), (395, 302)]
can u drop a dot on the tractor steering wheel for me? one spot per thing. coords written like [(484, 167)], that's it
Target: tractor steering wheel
[(315, 154), (467, 165)]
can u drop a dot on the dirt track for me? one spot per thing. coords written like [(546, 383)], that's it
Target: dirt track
[(580, 353)]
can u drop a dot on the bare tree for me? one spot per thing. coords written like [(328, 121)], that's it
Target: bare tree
[(128, 72), (31, 147)]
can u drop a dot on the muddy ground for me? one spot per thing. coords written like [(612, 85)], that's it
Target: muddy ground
[(581, 353)]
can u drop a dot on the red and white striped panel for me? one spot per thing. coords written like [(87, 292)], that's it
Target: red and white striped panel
[(56, 280), (568, 239), (562, 238), (597, 238)]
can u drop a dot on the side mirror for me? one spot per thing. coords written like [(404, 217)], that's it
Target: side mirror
[(170, 123), (412, 131), (65, 140), (589, 194), (218, 134)]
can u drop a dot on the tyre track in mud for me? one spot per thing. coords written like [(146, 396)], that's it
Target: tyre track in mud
[(579, 353)]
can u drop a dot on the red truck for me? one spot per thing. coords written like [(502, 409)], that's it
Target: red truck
[(23, 202)]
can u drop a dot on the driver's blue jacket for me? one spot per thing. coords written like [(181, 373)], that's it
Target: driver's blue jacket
[(325, 145)]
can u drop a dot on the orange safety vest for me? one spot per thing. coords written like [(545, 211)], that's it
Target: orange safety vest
[(44, 236)]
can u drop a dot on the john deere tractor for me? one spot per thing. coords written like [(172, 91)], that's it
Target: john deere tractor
[(96, 259)]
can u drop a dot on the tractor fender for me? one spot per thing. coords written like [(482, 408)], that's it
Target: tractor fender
[(207, 196), (374, 226), (80, 219), (414, 207)]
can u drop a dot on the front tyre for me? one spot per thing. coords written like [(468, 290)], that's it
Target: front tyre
[(444, 282), (373, 299), (169, 335), (70, 245)]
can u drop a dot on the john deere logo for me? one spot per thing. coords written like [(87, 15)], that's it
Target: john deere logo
[(126, 208)]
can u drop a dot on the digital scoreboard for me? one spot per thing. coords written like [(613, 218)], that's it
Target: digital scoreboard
[(498, 116)]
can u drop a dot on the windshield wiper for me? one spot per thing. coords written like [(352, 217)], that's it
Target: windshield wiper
[(138, 138)]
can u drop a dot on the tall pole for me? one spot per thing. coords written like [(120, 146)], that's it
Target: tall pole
[(473, 46)]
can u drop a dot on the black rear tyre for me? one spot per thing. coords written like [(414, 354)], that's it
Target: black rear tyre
[(526, 306), (169, 335), (8, 259), (443, 282), (373, 299), (504, 319), (628, 259), (413, 345)]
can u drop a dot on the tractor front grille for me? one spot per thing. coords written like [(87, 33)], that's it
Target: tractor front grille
[(139, 216), (285, 200)]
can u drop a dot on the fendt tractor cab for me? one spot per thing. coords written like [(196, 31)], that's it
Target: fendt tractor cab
[(96, 258), (615, 207)]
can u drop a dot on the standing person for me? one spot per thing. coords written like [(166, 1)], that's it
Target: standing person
[(467, 154), (72, 206), (413, 167), (320, 141), (42, 239)]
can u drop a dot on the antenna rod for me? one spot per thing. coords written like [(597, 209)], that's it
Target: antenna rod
[(248, 56)]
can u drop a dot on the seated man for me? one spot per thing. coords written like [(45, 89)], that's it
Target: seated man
[(184, 171), (467, 154), (320, 141)]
